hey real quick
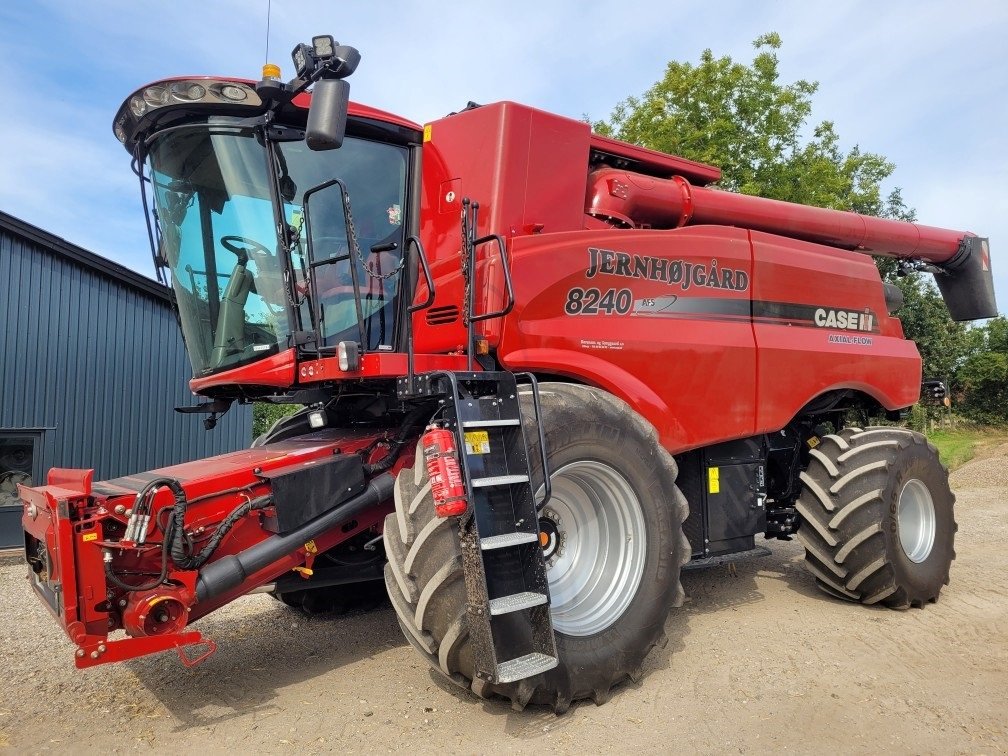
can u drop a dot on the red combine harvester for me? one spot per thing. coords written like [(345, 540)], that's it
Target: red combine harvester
[(541, 370)]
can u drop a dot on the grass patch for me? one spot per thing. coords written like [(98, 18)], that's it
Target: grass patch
[(957, 447)]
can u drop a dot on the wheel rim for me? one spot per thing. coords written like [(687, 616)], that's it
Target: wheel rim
[(595, 548), (916, 517)]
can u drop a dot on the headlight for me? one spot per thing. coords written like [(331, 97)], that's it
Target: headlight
[(138, 106), (196, 94), (187, 91), (234, 93), (348, 356), (155, 97)]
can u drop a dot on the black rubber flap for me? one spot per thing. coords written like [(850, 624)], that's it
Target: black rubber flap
[(303, 492)]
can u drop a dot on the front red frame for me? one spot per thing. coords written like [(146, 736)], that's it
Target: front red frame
[(69, 516)]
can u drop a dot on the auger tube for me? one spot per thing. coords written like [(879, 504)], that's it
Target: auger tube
[(959, 259), (230, 571)]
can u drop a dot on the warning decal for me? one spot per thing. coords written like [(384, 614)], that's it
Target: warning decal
[(477, 442), (713, 480)]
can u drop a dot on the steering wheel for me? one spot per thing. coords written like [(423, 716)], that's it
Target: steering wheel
[(251, 248), (244, 248)]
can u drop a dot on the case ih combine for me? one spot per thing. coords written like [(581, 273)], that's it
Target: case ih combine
[(541, 370)]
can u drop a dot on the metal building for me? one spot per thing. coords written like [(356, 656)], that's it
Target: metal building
[(92, 365)]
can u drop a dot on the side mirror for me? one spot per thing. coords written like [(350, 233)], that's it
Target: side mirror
[(327, 117)]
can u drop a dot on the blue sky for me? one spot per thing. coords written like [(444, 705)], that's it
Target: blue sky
[(923, 83)]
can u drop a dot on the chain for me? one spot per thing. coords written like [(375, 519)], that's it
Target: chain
[(352, 233), (466, 238), (294, 243)]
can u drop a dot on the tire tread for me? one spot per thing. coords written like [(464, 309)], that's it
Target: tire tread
[(846, 550)]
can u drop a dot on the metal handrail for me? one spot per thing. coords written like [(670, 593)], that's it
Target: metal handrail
[(414, 240), (508, 286), (547, 485)]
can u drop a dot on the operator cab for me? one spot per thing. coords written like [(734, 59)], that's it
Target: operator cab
[(238, 297), (273, 238)]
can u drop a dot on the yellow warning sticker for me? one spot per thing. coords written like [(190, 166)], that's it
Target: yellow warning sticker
[(477, 442), (713, 480), (89, 537), (427, 133), (813, 442)]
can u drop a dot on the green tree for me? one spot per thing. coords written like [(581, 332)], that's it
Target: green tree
[(984, 376), (745, 120), (943, 343), (265, 414)]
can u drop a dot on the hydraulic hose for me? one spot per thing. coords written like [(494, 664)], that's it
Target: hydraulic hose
[(395, 447), (195, 561), (136, 531), (231, 571)]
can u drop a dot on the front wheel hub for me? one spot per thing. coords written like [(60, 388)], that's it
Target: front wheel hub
[(592, 534)]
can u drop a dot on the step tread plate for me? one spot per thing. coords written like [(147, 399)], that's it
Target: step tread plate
[(490, 423), (516, 602), (507, 540), (525, 666), (499, 480)]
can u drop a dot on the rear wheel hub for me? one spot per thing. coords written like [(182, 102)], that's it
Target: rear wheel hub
[(916, 517)]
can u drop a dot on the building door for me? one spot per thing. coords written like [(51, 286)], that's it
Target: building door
[(19, 462)]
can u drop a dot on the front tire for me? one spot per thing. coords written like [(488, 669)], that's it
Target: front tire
[(877, 517), (616, 524)]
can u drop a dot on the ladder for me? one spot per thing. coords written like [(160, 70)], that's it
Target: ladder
[(507, 590)]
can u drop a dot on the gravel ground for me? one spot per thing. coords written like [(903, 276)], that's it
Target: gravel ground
[(758, 661)]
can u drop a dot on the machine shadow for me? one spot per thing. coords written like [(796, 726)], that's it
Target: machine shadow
[(253, 661), (708, 589), (267, 648)]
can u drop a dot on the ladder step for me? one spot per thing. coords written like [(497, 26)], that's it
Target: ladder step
[(499, 480), (524, 666), (516, 602), (490, 423), (506, 540)]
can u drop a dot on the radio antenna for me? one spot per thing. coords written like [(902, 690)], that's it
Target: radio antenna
[(269, 7)]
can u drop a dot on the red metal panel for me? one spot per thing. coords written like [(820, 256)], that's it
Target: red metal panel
[(658, 162), (803, 352), (683, 355), (527, 170), (277, 370), (377, 365)]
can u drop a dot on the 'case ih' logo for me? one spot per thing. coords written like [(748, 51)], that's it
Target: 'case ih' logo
[(847, 320), (673, 272)]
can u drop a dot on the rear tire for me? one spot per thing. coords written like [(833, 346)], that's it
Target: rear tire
[(338, 599), (596, 445), (877, 517)]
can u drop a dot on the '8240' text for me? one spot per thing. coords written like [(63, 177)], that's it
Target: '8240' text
[(596, 302)]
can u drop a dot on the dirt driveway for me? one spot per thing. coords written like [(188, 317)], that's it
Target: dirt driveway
[(758, 661)]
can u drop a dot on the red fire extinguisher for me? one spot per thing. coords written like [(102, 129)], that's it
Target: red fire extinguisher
[(441, 457)]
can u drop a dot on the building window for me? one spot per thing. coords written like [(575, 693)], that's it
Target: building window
[(18, 454)]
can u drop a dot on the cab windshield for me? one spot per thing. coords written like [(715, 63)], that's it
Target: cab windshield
[(239, 296)]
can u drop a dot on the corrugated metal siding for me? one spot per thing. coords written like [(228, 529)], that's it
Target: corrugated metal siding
[(99, 364)]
